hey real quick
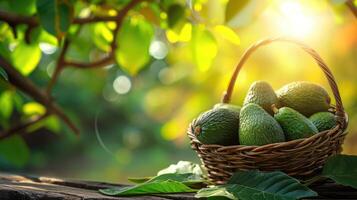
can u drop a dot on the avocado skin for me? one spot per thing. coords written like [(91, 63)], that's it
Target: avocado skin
[(228, 106), (305, 97), (294, 124), (261, 93), (257, 127), (217, 126), (323, 120)]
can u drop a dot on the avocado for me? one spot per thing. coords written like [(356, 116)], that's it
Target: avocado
[(294, 124), (257, 127), (217, 126), (261, 93), (323, 120), (305, 97), (228, 106)]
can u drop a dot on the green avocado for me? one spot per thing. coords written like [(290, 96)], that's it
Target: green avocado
[(217, 126), (257, 127), (323, 120), (305, 97), (294, 124), (228, 106), (261, 93)]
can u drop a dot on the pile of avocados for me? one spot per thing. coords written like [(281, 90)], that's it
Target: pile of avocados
[(297, 110)]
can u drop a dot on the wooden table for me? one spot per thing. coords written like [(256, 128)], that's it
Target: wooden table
[(24, 187)]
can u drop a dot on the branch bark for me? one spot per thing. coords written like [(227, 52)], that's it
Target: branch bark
[(17, 129), (28, 87), (352, 7)]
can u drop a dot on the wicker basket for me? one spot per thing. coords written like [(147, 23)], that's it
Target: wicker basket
[(302, 158)]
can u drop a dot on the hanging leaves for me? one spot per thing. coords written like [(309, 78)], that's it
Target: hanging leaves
[(25, 57), (134, 41), (55, 16), (204, 47), (14, 151)]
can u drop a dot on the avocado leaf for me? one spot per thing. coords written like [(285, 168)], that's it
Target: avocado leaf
[(259, 185), (342, 169), (150, 187)]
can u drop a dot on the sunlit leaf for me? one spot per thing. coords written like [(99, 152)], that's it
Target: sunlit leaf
[(33, 108), (134, 42), (25, 57), (14, 150), (342, 169), (228, 34), (175, 13), (40, 35), (53, 124), (23, 7), (6, 104), (204, 47), (182, 35), (102, 36), (55, 16)]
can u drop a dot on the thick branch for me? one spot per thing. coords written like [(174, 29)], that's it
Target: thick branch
[(59, 66), (352, 7), (21, 127), (27, 86)]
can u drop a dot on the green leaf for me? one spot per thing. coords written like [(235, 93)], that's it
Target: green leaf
[(23, 7), (102, 36), (182, 167), (342, 169), (55, 16), (25, 57), (156, 187), (204, 47), (3, 74), (234, 7), (134, 41), (33, 108), (175, 13), (6, 104), (259, 185), (139, 179), (216, 192), (14, 150)]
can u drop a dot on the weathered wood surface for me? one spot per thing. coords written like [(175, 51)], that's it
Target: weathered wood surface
[(29, 188)]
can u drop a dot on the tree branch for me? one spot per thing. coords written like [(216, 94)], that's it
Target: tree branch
[(22, 126), (352, 7), (27, 86)]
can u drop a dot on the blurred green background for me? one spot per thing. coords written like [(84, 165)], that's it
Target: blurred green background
[(144, 104)]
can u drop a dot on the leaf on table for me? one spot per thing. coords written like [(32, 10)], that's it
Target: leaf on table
[(55, 16), (259, 185), (216, 192), (148, 188), (14, 151), (342, 169), (139, 179)]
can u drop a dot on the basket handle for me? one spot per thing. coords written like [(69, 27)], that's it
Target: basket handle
[(330, 78)]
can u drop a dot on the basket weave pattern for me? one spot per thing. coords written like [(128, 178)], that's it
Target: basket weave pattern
[(301, 158)]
